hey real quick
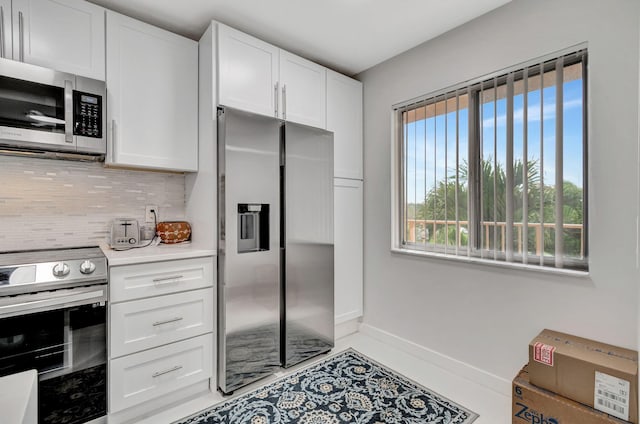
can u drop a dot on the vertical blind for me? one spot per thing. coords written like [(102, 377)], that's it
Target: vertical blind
[(496, 169)]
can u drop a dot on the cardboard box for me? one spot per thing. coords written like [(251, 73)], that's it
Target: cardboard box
[(599, 375), (533, 405)]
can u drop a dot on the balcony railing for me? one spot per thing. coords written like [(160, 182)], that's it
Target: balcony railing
[(489, 232)]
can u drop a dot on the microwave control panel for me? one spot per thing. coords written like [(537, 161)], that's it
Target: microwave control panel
[(87, 114)]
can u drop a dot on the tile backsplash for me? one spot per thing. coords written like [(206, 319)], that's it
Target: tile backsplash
[(56, 203)]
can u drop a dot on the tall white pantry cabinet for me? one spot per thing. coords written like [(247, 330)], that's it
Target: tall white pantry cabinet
[(344, 118), (243, 72)]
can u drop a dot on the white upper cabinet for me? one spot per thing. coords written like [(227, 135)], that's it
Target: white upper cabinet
[(344, 118), (66, 35), (303, 98), (248, 72), (257, 77), (152, 96)]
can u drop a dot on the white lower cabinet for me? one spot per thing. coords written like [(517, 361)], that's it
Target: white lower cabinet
[(348, 249), (152, 373), (161, 321)]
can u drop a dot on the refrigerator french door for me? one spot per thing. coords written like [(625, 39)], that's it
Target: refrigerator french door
[(248, 248), (307, 283), (275, 241)]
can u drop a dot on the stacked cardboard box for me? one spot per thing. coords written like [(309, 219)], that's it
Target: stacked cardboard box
[(574, 380), (533, 405)]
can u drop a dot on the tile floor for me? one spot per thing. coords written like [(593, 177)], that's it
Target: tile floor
[(492, 407)]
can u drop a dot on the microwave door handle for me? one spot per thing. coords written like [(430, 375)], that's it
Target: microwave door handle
[(2, 40), (21, 36), (68, 111), (114, 128)]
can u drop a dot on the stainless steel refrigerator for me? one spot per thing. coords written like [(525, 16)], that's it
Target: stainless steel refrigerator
[(275, 242)]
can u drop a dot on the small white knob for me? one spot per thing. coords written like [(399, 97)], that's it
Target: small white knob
[(87, 267), (60, 269)]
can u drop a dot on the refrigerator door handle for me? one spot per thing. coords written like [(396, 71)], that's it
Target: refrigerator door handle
[(284, 101)]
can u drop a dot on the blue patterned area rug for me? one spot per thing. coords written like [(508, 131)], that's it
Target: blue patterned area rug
[(346, 388)]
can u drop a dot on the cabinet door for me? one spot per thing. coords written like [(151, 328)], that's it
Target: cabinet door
[(348, 249), (6, 47), (303, 88), (152, 96), (344, 118), (248, 72), (66, 35)]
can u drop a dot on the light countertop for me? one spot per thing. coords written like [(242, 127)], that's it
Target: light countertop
[(162, 252), (19, 398)]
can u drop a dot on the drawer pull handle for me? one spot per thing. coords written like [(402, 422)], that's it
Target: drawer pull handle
[(159, 373), (175, 277), (157, 323)]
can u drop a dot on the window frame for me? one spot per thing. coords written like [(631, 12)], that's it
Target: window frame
[(473, 88)]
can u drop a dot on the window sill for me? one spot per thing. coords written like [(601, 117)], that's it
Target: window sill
[(495, 264)]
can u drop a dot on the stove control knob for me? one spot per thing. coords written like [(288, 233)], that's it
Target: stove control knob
[(87, 267), (61, 269)]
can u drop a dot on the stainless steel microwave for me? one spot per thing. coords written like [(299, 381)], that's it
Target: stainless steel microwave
[(42, 110)]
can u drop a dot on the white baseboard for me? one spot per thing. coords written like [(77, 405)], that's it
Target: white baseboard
[(345, 328), (478, 376), (349, 316)]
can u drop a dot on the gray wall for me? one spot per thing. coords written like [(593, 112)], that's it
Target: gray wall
[(483, 315)]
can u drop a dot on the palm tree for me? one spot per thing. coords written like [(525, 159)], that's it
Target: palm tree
[(440, 204)]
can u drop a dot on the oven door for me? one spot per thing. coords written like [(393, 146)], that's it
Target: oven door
[(36, 107), (61, 334)]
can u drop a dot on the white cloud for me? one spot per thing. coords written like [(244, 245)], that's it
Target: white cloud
[(533, 114)]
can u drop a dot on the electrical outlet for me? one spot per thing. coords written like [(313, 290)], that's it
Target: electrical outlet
[(148, 213)]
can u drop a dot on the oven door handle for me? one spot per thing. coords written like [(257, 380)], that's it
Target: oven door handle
[(48, 301)]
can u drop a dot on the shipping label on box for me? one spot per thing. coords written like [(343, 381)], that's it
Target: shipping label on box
[(611, 395)]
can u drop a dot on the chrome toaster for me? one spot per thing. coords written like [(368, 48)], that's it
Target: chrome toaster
[(124, 232)]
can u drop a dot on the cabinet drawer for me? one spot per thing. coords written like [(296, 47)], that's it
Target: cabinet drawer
[(144, 376), (148, 323), (157, 278)]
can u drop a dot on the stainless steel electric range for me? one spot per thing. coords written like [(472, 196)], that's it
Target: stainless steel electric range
[(53, 314)]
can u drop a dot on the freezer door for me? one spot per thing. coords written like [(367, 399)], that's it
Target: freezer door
[(249, 248), (308, 314)]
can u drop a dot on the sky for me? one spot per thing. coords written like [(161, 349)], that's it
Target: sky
[(434, 134)]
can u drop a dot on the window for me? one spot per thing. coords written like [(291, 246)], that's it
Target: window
[(496, 169)]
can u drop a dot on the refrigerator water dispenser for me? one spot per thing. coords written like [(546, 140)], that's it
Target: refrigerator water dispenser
[(253, 227)]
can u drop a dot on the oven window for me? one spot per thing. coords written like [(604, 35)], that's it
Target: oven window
[(30, 105), (68, 348), (32, 341)]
